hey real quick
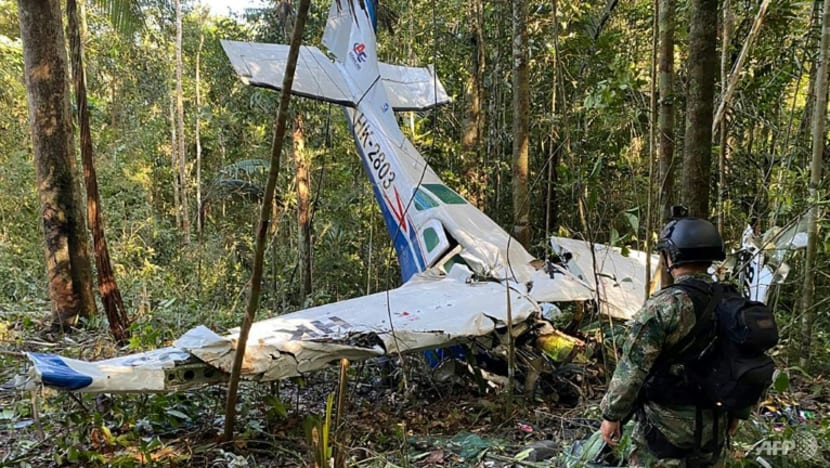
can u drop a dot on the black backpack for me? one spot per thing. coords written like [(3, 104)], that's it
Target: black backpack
[(723, 360)]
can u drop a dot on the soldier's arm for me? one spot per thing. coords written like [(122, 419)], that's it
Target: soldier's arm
[(653, 329)]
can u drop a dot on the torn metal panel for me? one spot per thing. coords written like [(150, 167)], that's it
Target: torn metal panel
[(556, 284), (760, 261), (618, 282), (426, 314)]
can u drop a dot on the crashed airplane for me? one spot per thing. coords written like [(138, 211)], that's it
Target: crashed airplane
[(462, 273)]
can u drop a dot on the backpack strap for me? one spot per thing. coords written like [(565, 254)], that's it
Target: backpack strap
[(697, 343), (705, 322), (663, 385), (705, 299)]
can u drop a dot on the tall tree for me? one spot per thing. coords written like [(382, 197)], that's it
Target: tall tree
[(474, 121), (700, 92), (726, 37), (521, 126), (665, 118), (198, 128), (652, 137), (813, 38), (174, 160), (665, 123), (47, 87), (107, 286), (819, 141), (556, 136), (182, 156), (264, 218), (301, 162)]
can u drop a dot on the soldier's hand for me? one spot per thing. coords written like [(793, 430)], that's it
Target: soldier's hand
[(610, 431)]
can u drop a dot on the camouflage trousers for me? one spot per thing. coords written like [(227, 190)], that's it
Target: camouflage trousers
[(641, 457)]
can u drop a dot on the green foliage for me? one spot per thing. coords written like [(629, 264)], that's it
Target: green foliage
[(598, 134), (125, 15), (318, 434)]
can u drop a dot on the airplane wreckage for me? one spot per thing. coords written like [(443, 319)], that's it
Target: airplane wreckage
[(463, 275)]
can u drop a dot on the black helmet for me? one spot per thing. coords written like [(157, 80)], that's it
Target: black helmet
[(691, 240)]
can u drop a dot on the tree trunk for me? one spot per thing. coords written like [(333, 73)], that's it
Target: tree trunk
[(521, 134), (807, 119), (732, 80), (264, 219), (702, 68), (819, 138), (665, 119), (180, 129), (199, 218), (551, 201), (47, 87), (652, 139), (107, 286), (474, 123), (726, 37), (174, 161), (301, 161)]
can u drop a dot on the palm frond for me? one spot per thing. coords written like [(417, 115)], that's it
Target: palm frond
[(124, 15)]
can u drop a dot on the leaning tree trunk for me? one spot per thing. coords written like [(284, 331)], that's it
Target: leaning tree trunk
[(819, 138), (107, 286), (521, 133), (731, 82), (702, 66), (301, 161), (264, 218), (67, 258)]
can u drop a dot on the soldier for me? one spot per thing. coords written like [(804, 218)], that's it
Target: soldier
[(670, 430)]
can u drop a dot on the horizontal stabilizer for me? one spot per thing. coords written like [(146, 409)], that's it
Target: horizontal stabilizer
[(317, 77), (263, 65), (411, 88)]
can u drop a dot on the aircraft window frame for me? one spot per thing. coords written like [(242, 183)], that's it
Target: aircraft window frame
[(445, 194), (423, 201), (431, 239)]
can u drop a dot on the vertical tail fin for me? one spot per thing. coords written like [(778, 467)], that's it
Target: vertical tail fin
[(350, 36)]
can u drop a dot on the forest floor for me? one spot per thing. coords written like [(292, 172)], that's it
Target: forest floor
[(433, 417)]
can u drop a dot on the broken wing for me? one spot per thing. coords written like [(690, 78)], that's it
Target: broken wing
[(426, 313)]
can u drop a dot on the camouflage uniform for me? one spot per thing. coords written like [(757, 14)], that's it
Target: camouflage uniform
[(664, 320)]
